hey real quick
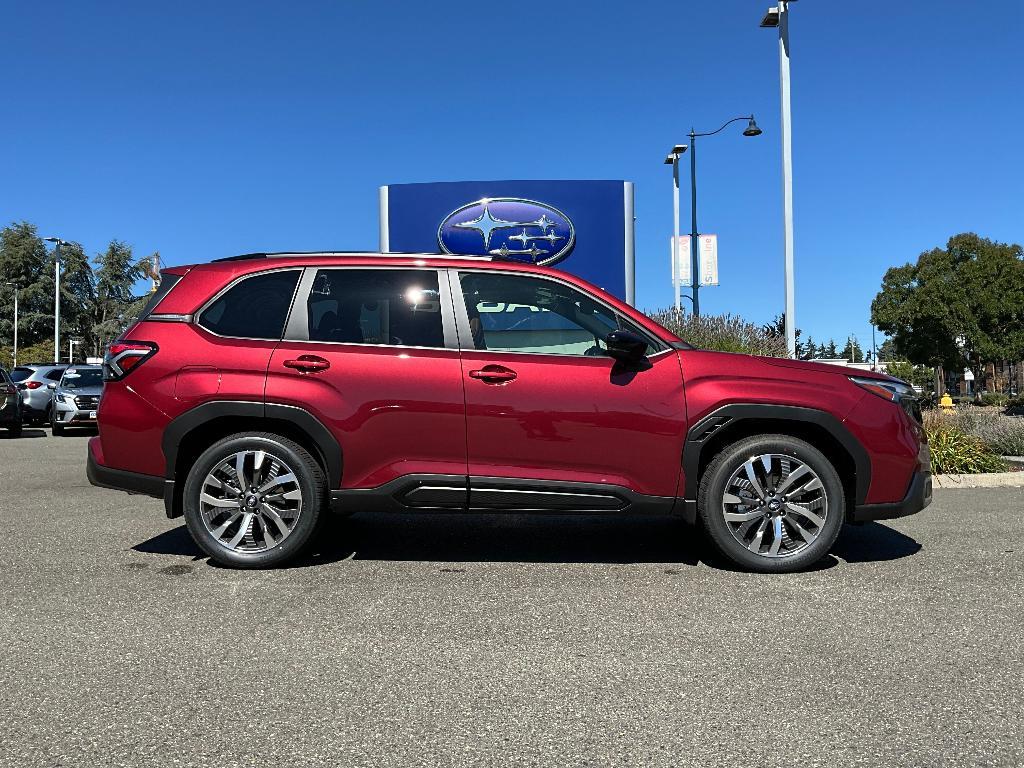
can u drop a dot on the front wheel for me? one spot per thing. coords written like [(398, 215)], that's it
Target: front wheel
[(772, 503), (253, 500), (56, 427)]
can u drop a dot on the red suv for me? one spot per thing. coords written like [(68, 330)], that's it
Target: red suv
[(257, 392)]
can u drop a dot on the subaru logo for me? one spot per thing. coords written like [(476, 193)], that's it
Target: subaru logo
[(510, 227)]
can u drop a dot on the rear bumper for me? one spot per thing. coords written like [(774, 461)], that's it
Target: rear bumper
[(918, 497), (120, 479)]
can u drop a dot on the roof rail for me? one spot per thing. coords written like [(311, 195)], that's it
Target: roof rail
[(390, 254)]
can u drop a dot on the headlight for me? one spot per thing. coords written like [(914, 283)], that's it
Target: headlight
[(892, 390), (59, 397)]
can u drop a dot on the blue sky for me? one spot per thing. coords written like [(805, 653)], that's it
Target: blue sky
[(208, 129)]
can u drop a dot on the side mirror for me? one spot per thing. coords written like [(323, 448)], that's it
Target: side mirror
[(626, 346), (51, 385)]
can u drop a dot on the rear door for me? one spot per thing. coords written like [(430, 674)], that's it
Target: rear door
[(551, 421), (372, 353)]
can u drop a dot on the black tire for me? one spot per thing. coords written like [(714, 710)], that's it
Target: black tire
[(732, 459), (310, 480), (57, 429)]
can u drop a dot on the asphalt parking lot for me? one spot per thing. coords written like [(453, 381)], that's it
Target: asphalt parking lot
[(464, 640)]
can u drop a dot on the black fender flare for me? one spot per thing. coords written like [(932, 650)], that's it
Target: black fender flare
[(183, 424), (697, 438)]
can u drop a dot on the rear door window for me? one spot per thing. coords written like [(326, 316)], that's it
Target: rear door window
[(394, 307)]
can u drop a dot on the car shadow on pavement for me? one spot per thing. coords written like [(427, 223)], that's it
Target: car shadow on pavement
[(25, 432), (873, 542), (535, 539)]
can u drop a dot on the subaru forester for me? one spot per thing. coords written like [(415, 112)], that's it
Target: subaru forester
[(257, 393)]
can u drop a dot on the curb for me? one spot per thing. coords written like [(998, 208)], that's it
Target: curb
[(988, 480)]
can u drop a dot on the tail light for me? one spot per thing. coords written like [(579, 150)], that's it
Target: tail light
[(123, 357), (32, 384), (8, 389)]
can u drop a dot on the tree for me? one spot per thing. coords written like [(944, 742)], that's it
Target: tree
[(852, 351), (887, 351), (810, 349), (830, 351), (25, 262), (957, 307), (777, 328), (116, 274)]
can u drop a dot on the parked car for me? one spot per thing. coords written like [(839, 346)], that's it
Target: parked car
[(254, 393), (32, 379), (76, 398), (10, 405)]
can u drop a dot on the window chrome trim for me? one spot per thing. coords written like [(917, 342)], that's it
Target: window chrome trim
[(157, 317), (296, 330), (462, 314), (197, 316)]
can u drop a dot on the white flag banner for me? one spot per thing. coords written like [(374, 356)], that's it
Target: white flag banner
[(708, 260), (681, 260)]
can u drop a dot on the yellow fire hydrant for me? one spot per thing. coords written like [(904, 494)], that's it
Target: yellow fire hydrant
[(946, 402)]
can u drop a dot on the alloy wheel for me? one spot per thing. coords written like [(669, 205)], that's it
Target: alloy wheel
[(775, 505), (250, 501)]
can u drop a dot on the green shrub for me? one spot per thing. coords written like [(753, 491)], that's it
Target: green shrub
[(993, 398), (954, 449), (722, 333)]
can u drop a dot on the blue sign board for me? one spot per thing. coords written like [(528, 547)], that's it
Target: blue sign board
[(583, 227)]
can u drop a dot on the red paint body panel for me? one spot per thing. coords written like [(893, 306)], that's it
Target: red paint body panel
[(576, 419), (397, 411), (394, 410)]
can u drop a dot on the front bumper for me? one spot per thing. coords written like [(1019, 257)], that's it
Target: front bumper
[(71, 414), (918, 497)]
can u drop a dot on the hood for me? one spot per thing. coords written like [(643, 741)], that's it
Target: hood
[(96, 389), (807, 365)]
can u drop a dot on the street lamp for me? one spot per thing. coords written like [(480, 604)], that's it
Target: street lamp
[(779, 17), (15, 287), (673, 158), (72, 343), (56, 294)]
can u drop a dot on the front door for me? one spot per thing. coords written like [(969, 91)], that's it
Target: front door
[(551, 419)]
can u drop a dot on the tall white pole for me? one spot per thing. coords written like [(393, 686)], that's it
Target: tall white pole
[(56, 302), (787, 176), (676, 277), (15, 326)]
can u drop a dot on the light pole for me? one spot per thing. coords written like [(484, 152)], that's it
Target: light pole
[(673, 159), (779, 17), (750, 130), (15, 287), (56, 294), (72, 343)]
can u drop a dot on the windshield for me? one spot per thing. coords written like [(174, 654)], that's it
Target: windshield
[(78, 378), (20, 374)]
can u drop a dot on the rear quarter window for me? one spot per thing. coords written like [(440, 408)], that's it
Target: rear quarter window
[(255, 307)]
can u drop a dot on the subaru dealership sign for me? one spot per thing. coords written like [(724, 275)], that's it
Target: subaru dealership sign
[(583, 227)]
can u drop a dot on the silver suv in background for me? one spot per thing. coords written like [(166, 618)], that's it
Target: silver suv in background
[(32, 379), (76, 398)]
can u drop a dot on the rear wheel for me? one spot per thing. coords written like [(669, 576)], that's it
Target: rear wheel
[(772, 503), (253, 500)]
